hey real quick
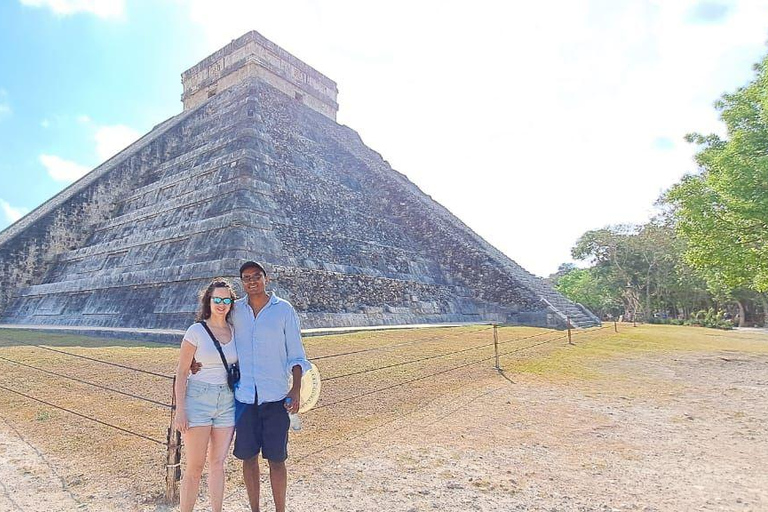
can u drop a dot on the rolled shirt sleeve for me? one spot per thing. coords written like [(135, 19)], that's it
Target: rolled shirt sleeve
[(294, 346)]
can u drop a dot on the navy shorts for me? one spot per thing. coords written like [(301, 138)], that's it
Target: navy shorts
[(261, 428)]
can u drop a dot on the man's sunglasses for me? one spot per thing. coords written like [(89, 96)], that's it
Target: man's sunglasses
[(219, 300)]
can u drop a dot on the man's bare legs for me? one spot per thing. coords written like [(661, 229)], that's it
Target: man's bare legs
[(251, 478), (278, 477)]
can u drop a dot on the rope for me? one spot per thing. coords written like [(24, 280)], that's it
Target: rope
[(388, 422), (527, 337), (533, 346), (86, 382), (386, 388), (83, 415), (99, 360), (407, 362), (403, 363), (374, 349), (582, 334)]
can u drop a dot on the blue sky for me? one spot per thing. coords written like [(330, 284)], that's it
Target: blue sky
[(68, 79), (531, 122)]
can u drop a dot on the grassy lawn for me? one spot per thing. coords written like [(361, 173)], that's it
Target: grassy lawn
[(591, 348)]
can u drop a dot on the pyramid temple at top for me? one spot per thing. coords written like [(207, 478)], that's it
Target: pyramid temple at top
[(256, 167)]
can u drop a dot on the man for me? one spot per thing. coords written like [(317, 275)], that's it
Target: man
[(269, 349)]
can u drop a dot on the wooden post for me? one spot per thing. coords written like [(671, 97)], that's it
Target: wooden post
[(615, 327), (173, 456), (568, 321), (496, 345)]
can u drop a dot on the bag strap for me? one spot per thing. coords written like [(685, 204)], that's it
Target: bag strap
[(218, 345)]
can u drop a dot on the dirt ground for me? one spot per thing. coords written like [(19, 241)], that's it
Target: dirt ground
[(652, 418)]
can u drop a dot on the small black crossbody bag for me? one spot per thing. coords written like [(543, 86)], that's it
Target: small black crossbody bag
[(233, 370)]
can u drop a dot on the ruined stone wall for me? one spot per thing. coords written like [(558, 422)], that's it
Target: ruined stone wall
[(30, 248), (172, 204), (251, 56)]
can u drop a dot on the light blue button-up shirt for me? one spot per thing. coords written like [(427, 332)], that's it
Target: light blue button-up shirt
[(268, 347)]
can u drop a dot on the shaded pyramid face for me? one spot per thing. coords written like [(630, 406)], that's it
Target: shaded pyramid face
[(255, 174)]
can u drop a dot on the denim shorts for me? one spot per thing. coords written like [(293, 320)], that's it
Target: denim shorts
[(209, 405)]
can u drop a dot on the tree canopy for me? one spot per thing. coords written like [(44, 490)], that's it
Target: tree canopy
[(722, 211), (710, 248), (642, 267)]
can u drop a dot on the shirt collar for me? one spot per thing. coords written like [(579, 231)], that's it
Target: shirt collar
[(273, 299)]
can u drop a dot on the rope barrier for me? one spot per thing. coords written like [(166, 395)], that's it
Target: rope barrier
[(427, 358), (575, 333), (384, 347), (533, 346), (83, 416), (361, 395), (403, 363), (86, 382), (140, 370), (527, 337), (591, 331), (342, 400), (348, 439)]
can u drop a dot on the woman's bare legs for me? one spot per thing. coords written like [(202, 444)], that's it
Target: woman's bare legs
[(221, 438), (196, 445)]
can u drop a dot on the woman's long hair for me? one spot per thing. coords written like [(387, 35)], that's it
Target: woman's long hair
[(204, 313)]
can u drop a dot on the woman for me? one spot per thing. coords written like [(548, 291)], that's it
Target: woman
[(205, 406)]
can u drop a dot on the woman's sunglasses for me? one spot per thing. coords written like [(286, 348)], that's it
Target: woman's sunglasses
[(219, 300)]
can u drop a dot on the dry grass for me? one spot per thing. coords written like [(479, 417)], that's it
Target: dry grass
[(96, 460), (583, 359)]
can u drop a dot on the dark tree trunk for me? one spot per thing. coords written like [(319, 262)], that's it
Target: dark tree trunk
[(742, 314)]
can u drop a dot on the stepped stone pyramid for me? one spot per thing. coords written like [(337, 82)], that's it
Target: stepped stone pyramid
[(256, 167)]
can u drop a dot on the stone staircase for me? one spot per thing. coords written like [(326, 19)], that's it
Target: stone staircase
[(565, 309)]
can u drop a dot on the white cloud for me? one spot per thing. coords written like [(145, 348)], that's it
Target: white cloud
[(12, 213), (101, 8), (45, 123), (110, 140), (63, 170), (531, 128)]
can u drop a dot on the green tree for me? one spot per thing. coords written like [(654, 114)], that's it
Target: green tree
[(722, 211), (642, 266), (585, 287)]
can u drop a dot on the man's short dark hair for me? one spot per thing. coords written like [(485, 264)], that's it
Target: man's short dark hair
[(252, 264)]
